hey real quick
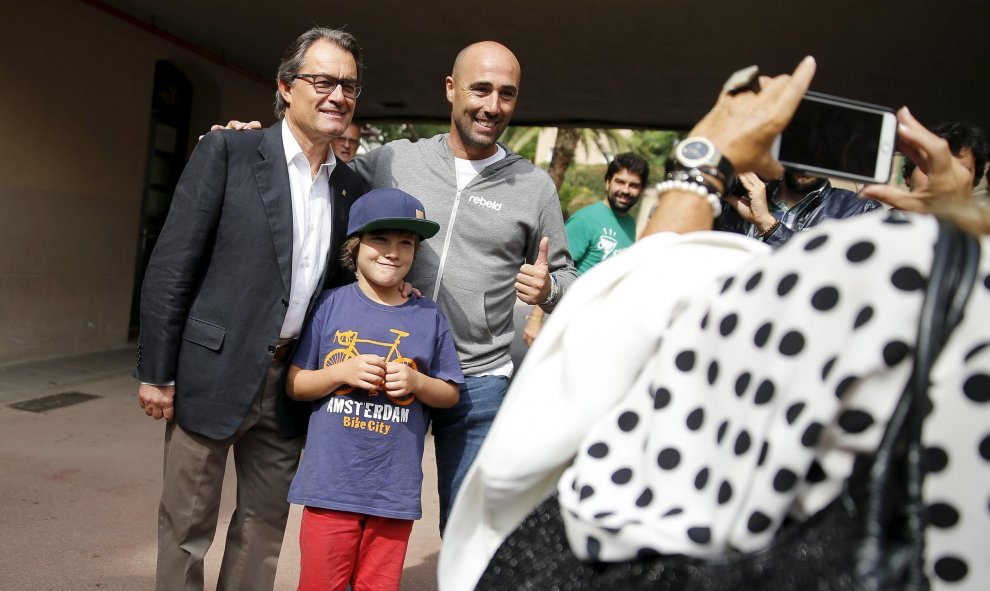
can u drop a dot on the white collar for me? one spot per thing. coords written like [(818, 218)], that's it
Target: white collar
[(293, 150)]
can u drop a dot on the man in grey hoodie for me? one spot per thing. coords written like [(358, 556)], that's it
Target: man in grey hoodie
[(501, 237)]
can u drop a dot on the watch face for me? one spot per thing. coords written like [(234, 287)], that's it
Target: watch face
[(696, 150)]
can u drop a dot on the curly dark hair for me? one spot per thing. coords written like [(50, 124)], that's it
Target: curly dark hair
[(632, 162)]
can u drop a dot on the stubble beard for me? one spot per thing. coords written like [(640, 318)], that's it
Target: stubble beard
[(613, 202), (472, 140)]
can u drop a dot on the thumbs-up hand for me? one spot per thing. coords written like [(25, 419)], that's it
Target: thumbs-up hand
[(533, 281)]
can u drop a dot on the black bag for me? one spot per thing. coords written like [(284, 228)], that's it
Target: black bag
[(871, 537)]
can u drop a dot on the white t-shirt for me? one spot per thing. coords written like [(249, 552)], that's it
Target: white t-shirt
[(468, 169)]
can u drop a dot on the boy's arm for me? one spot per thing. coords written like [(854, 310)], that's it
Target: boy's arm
[(402, 380), (364, 371)]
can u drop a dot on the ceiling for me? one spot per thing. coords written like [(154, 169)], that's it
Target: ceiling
[(624, 63)]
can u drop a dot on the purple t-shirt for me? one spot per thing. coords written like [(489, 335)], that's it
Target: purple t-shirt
[(364, 451)]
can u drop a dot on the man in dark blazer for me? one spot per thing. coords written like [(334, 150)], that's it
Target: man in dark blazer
[(251, 239)]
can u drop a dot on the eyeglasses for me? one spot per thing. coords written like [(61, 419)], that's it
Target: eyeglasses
[(324, 84)]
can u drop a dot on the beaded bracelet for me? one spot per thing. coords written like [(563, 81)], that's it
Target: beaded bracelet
[(699, 189), (553, 294), (770, 231)]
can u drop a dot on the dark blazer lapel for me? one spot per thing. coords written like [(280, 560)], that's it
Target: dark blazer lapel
[(340, 201), (272, 176), (342, 195)]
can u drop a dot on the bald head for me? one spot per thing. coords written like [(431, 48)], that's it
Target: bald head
[(491, 52), (482, 91)]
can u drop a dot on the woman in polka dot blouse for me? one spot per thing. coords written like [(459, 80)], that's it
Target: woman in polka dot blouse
[(715, 408)]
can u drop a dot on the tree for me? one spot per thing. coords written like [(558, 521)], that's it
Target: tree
[(608, 141), (381, 134), (655, 146), (563, 154), (522, 141)]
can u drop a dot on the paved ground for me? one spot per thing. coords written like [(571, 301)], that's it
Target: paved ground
[(80, 487)]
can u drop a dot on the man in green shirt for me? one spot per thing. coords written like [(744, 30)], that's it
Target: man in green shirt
[(603, 229)]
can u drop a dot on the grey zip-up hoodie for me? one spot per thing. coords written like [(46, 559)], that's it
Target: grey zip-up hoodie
[(487, 231)]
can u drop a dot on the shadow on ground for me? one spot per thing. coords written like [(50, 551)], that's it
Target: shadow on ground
[(81, 484)]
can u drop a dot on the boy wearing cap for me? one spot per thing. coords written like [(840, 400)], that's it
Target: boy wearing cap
[(374, 362)]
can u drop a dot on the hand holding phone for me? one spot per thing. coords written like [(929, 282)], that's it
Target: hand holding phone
[(841, 138), (948, 179), (743, 126)]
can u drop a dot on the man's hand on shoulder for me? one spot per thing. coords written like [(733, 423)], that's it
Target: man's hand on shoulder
[(407, 290), (157, 401), (236, 125)]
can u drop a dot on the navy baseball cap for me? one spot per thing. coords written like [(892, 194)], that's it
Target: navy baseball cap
[(390, 209)]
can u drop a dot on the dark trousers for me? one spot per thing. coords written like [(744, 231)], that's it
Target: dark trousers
[(193, 479)]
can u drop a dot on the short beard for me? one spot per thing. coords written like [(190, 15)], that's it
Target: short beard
[(470, 140), (613, 203), (796, 186)]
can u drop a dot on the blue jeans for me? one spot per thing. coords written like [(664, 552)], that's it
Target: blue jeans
[(459, 431)]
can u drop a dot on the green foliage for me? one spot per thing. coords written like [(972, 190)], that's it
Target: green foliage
[(655, 146), (386, 132), (522, 141), (583, 185), (608, 141)]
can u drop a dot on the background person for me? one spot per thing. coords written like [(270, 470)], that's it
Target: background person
[(604, 229), (794, 203), (345, 146)]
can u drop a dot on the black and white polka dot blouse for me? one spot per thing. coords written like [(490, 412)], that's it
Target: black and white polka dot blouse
[(764, 388)]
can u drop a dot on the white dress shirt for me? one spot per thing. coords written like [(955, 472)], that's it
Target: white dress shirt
[(311, 227)]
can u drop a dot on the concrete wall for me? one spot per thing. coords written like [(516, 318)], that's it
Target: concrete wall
[(74, 118)]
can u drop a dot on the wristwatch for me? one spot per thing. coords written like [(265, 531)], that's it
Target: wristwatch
[(701, 154)]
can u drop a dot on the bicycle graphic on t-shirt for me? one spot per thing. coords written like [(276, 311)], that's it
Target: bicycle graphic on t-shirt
[(349, 339)]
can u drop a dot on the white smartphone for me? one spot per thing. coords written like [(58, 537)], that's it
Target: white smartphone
[(841, 138)]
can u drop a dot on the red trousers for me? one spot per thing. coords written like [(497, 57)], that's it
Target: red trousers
[(339, 548)]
